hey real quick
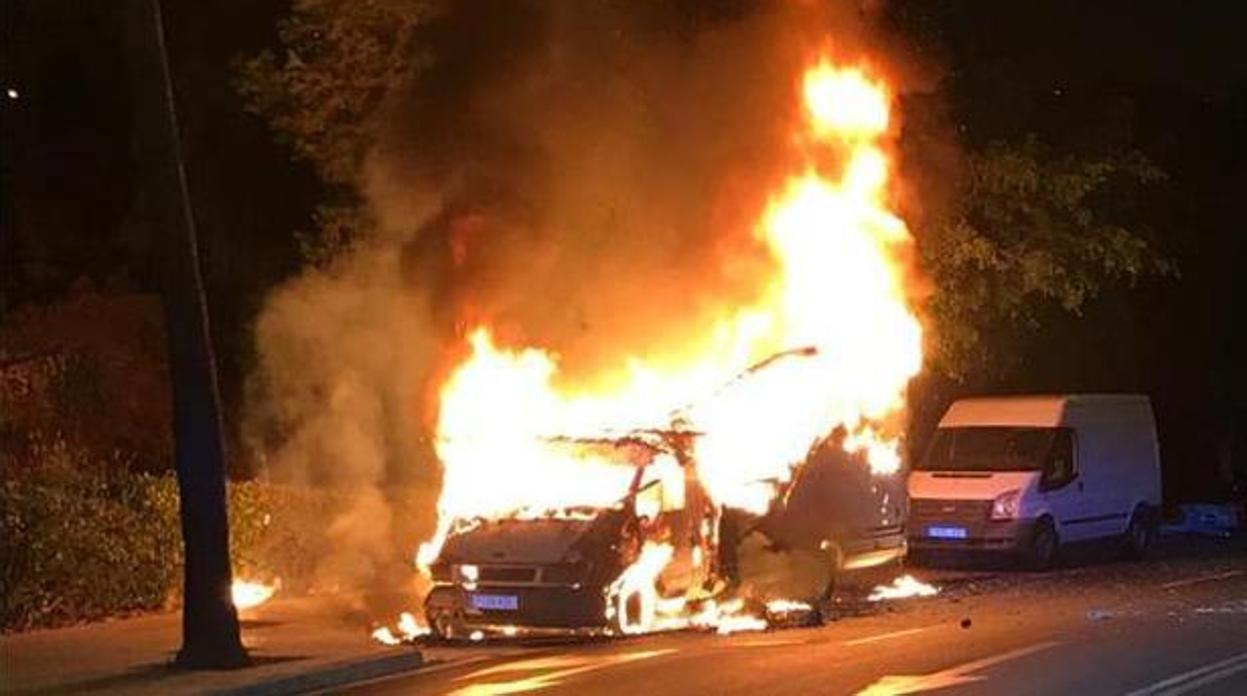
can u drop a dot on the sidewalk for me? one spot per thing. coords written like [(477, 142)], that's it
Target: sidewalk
[(297, 645)]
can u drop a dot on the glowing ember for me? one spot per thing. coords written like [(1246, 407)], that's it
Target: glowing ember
[(902, 588), (836, 312), (787, 606), (247, 594)]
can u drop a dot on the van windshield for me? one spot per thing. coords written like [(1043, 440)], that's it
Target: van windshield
[(989, 449)]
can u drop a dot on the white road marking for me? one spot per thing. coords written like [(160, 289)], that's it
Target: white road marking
[(1196, 678), (561, 666), (529, 665), (776, 643), (894, 685), (443, 665), (1202, 578), (886, 636)]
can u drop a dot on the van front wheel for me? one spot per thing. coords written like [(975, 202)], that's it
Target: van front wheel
[(1044, 546)]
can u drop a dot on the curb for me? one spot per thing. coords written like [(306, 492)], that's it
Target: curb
[(331, 676)]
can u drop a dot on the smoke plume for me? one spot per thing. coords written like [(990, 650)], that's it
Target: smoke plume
[(581, 176)]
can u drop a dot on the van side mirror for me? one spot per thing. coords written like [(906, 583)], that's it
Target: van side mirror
[(1059, 475), (1059, 469)]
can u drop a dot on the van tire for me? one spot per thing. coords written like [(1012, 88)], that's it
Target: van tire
[(1045, 546), (1139, 533)]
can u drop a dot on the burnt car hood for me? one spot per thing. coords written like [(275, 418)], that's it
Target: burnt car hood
[(534, 541)]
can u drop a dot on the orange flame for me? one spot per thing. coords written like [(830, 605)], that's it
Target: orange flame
[(247, 594), (903, 587)]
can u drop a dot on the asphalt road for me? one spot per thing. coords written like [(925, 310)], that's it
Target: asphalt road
[(1176, 624)]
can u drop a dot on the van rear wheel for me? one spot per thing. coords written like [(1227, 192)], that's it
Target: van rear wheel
[(1045, 546), (1138, 537)]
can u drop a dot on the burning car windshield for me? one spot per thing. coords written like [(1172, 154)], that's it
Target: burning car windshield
[(989, 449), (585, 485)]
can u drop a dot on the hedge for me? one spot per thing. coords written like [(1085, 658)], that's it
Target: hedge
[(82, 546), (83, 543)]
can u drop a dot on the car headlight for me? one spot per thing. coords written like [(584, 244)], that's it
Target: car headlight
[(467, 573), (1005, 506)]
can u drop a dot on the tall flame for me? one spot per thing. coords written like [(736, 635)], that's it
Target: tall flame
[(836, 313)]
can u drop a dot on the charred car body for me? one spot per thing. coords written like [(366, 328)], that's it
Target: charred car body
[(555, 570), (561, 570)]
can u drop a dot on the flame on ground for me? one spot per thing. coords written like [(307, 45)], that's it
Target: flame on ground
[(247, 594), (408, 630), (903, 587), (838, 301)]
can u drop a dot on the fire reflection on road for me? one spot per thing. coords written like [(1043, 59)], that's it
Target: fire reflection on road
[(551, 671), (895, 685)]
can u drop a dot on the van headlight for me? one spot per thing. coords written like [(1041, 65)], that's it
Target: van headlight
[(1005, 506)]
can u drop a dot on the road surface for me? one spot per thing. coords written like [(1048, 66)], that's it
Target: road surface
[(1173, 625)]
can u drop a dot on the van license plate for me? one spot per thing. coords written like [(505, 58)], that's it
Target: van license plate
[(495, 602), (946, 532)]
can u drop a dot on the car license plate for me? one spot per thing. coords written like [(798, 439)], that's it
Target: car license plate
[(495, 602), (946, 532)]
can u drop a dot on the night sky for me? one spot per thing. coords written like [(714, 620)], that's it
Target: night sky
[(1169, 78)]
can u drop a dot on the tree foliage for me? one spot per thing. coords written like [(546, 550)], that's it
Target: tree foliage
[(339, 60), (322, 94), (1032, 228)]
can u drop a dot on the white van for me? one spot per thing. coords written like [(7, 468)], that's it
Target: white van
[(1027, 474)]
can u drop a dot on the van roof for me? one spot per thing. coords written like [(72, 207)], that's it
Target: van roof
[(1041, 410)]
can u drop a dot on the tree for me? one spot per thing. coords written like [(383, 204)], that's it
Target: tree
[(210, 633), (321, 97), (1031, 228)]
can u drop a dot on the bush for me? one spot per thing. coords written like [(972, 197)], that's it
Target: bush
[(84, 541), (79, 544)]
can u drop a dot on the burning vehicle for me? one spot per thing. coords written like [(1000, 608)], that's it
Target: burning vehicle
[(694, 486), (664, 555)]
